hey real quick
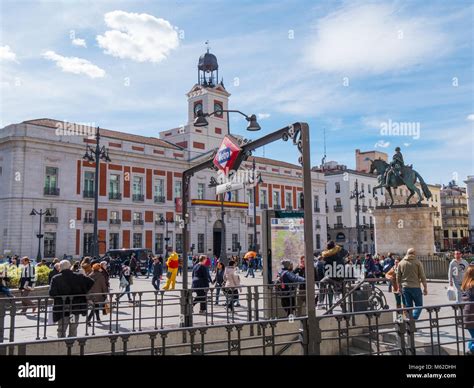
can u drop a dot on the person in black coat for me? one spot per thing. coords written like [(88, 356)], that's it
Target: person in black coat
[(157, 273), (53, 272), (201, 281), (67, 309), (219, 279)]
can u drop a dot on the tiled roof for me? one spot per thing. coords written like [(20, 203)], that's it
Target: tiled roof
[(51, 123)]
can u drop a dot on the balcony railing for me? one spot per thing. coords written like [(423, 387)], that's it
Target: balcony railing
[(317, 210), (50, 220), (289, 208), (318, 226), (264, 206), (138, 197), (338, 208), (338, 226), (277, 207), (51, 191), (250, 224), (117, 196), (88, 220), (159, 199), (364, 208), (115, 221), (88, 193), (137, 222)]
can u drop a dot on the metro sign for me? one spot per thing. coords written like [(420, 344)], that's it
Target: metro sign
[(226, 155)]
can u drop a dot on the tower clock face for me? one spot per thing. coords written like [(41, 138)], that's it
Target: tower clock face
[(197, 107), (218, 107)]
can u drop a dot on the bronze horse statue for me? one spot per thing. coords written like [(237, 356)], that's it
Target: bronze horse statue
[(408, 178)]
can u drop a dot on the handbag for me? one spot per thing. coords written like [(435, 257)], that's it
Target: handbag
[(106, 309), (451, 292)]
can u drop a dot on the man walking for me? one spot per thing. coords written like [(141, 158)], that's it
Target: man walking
[(69, 291), (456, 271), (410, 274), (27, 283), (157, 273)]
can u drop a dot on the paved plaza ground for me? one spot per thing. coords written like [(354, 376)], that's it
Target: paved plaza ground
[(168, 314)]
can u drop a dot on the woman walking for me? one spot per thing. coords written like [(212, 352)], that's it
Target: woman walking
[(231, 284), (125, 279), (467, 288), (219, 279), (97, 294)]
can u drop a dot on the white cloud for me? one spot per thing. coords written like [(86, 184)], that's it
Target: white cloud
[(75, 65), (6, 54), (382, 144), (140, 37), (373, 38), (406, 144), (263, 116), (79, 42), (470, 117)]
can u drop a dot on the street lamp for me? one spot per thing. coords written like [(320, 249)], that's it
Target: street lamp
[(94, 156), (358, 194), (223, 253), (200, 120), (165, 221), (41, 213), (256, 181)]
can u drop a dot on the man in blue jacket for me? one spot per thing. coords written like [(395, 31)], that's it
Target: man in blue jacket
[(289, 284)]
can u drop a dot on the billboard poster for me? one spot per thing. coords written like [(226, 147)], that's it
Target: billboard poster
[(287, 241)]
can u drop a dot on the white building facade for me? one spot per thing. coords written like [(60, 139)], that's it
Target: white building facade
[(42, 167)]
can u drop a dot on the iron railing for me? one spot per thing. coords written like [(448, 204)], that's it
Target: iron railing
[(440, 330), (160, 309)]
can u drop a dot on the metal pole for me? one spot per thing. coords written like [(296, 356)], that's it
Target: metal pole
[(223, 254), (186, 308), (95, 250), (38, 256), (357, 216), (308, 233), (254, 208)]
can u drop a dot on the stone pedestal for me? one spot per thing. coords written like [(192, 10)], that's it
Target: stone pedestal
[(400, 227)]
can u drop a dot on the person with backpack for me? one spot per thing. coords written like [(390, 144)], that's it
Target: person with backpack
[(286, 285), (334, 270), (251, 267), (456, 270), (388, 264), (301, 289)]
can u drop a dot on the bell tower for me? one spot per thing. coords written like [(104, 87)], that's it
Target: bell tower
[(208, 95)]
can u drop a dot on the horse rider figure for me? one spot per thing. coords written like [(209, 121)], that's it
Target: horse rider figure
[(396, 166)]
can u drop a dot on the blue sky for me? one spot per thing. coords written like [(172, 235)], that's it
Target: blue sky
[(348, 67)]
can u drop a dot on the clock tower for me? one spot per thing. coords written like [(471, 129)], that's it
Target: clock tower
[(208, 95)]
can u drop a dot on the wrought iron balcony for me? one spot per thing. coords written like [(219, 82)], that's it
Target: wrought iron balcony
[(116, 196), (289, 208), (115, 221), (159, 199), (338, 226), (137, 222), (318, 226), (364, 208), (317, 210), (138, 197), (264, 206), (88, 220), (50, 220), (277, 207), (88, 193), (51, 191), (338, 208)]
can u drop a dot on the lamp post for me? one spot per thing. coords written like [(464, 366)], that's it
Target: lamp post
[(201, 121), (358, 194), (165, 221), (256, 181), (94, 155), (41, 213)]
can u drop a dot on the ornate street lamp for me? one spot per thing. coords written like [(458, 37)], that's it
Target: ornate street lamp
[(94, 155), (358, 194), (200, 120), (41, 213)]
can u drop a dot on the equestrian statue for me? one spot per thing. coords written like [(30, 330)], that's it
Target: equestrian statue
[(396, 174)]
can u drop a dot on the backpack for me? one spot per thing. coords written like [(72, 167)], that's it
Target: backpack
[(278, 283)]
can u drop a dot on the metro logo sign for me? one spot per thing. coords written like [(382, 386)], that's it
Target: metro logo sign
[(226, 155)]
